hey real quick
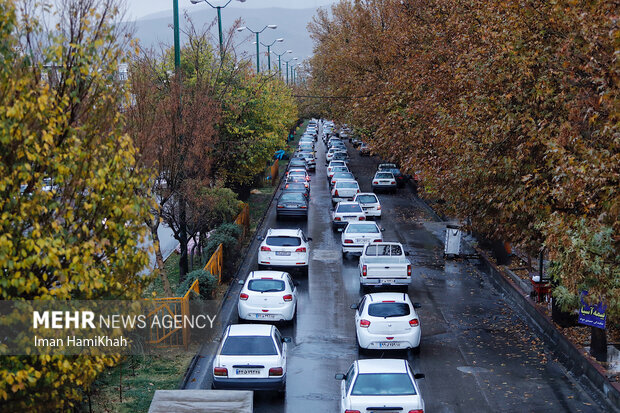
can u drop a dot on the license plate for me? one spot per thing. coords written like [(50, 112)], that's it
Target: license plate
[(366, 208), (248, 372), (350, 218), (360, 240), (388, 281), (283, 253), (389, 344)]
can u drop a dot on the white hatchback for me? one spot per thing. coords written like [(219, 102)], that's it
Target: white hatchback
[(387, 321), (268, 296), (284, 248), (370, 204), (385, 385), (356, 234), (251, 357)]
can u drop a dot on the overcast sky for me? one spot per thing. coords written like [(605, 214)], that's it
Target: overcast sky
[(141, 8)]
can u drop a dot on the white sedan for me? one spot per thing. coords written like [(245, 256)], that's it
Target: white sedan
[(268, 295), (284, 248), (380, 385), (346, 212), (387, 321), (344, 190), (370, 204), (251, 357), (356, 234)]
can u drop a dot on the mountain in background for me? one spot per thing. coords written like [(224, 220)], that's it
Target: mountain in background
[(156, 29)]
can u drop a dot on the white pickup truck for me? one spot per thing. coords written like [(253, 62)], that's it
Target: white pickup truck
[(384, 264)]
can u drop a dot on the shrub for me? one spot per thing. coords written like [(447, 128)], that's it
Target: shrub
[(207, 284)]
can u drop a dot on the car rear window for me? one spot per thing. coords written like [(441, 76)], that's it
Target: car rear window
[(349, 208), (361, 229), (384, 175), (388, 309), (292, 197), (266, 286), (367, 199), (283, 241), (386, 166), (384, 250), (295, 185), (348, 175), (249, 346), (345, 184), (380, 384)]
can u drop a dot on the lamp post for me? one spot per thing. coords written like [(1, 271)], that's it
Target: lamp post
[(280, 60), (219, 20), (287, 61), (268, 46), (269, 26)]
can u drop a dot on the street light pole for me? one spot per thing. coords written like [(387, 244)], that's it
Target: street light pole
[(177, 41), (269, 26), (219, 20), (280, 60), (290, 60), (268, 46)]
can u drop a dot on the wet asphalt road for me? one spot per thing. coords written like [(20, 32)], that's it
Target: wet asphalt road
[(476, 352)]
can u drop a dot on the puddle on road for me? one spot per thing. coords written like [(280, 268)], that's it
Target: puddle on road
[(612, 365)]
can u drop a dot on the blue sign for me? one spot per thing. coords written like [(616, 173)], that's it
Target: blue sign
[(279, 154), (593, 316)]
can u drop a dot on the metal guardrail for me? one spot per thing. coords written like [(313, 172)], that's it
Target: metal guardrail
[(243, 220), (275, 168)]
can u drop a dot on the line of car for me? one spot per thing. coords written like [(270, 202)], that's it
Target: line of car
[(253, 356)]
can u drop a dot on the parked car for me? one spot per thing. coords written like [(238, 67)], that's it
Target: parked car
[(357, 234), (340, 156), (330, 154), (268, 296), (301, 173), (401, 179), (364, 149), (297, 163), (334, 170), (387, 321), (344, 191), (310, 160), (297, 187), (340, 176), (346, 212), (386, 383), (292, 204), (298, 179), (384, 264), (383, 181), (332, 164), (251, 357), (284, 248), (370, 204)]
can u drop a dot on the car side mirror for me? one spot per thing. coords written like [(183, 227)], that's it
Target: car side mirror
[(340, 229), (241, 282), (309, 238), (340, 376), (296, 284), (260, 238), (419, 376), (383, 229), (353, 307), (287, 340), (417, 305), (407, 253)]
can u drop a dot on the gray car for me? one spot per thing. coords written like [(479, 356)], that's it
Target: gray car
[(292, 204)]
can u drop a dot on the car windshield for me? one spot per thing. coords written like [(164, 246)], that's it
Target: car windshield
[(266, 286), (346, 184), (384, 250), (283, 241), (383, 175), (361, 229), (388, 309), (383, 384), (366, 199), (297, 173), (249, 346), (292, 197), (349, 208)]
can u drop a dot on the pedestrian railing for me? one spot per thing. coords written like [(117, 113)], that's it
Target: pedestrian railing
[(243, 220), (275, 170), (216, 262)]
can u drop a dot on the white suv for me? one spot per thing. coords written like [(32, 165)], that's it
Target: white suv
[(268, 295), (387, 321), (284, 248), (251, 357)]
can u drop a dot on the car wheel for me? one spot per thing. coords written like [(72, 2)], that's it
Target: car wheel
[(344, 254), (416, 350), (261, 267), (363, 289), (304, 271)]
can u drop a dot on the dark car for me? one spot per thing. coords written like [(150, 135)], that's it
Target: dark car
[(298, 163), (401, 179), (364, 149), (292, 204), (296, 187), (310, 160)]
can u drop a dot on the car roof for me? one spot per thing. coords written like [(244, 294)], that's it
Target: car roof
[(270, 274), (290, 232), (337, 162), (381, 366), (383, 172), (250, 330), (344, 203), (340, 181), (378, 297), (368, 193)]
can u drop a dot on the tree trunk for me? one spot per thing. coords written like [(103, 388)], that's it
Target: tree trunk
[(183, 263), (598, 344), (159, 258)]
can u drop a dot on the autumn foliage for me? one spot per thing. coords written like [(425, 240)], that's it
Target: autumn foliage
[(507, 110)]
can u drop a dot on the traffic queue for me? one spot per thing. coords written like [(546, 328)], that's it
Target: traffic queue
[(253, 354)]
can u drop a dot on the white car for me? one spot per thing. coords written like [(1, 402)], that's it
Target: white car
[(380, 385), (387, 321), (284, 248), (268, 295), (370, 204), (383, 181), (345, 190), (298, 172), (356, 234), (347, 176), (335, 169), (331, 152), (335, 163), (346, 212), (251, 357)]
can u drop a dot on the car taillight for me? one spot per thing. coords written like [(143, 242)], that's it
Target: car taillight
[(351, 411), (301, 249), (286, 186), (414, 322), (358, 191), (303, 207), (375, 182), (416, 411), (280, 206), (264, 248), (348, 241), (379, 208), (308, 178), (276, 371), (288, 297), (364, 323), (336, 193), (377, 240), (220, 371), (243, 296), (336, 218), (409, 270), (364, 271), (362, 218)]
